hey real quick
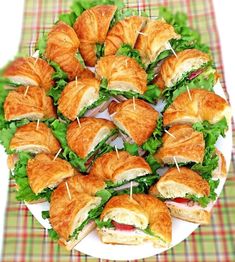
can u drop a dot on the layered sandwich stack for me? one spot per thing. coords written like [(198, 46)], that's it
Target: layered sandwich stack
[(62, 150)]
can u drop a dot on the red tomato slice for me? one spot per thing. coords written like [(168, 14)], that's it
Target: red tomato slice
[(181, 200), (119, 226)]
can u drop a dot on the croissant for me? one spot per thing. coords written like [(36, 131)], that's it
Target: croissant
[(34, 139), (69, 208), (137, 120), (125, 167), (124, 32), (91, 28), (84, 138), (123, 74), (174, 68), (199, 106), (31, 103), (62, 47), (77, 95), (30, 71), (183, 145), (153, 39), (44, 171)]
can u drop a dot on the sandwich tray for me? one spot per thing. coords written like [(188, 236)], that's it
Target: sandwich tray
[(91, 244)]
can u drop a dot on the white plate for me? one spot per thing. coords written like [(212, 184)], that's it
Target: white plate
[(91, 245)]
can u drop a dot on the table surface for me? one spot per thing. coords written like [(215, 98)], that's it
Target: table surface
[(11, 13)]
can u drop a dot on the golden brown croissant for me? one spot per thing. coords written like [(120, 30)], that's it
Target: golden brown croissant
[(199, 106), (77, 95), (184, 144), (62, 47), (31, 103), (174, 187), (91, 28), (33, 139), (136, 118), (44, 171), (153, 39), (173, 68), (30, 71), (69, 208), (140, 212), (123, 74), (124, 32), (84, 138), (123, 167)]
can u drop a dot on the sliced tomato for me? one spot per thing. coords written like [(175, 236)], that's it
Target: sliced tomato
[(181, 200), (119, 226)]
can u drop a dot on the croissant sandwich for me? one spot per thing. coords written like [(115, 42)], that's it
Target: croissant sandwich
[(187, 64), (86, 139), (118, 169), (182, 144), (183, 193), (201, 105), (91, 28), (136, 220), (123, 32), (28, 102), (62, 48), (136, 119), (30, 71), (34, 138), (123, 74), (78, 96), (44, 171), (74, 205), (153, 40)]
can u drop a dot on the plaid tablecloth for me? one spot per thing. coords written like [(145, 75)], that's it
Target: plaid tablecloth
[(26, 240)]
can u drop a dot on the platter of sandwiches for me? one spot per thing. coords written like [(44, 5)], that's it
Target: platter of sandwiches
[(117, 130)]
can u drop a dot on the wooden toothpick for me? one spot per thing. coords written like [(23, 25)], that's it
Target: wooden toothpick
[(141, 33), (169, 133), (26, 91), (133, 98), (68, 191), (131, 190), (38, 122), (173, 51), (189, 94), (79, 124), (117, 152), (76, 79), (57, 154), (176, 164), (35, 61)]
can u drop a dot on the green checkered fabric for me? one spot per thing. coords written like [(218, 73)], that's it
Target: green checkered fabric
[(26, 240)]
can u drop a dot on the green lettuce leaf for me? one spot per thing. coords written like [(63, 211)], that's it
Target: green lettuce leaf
[(189, 37), (99, 50), (211, 132), (151, 94), (24, 191), (132, 149), (127, 50), (42, 44), (53, 234), (155, 141), (205, 200), (69, 18), (61, 80), (45, 214), (153, 163), (104, 224)]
